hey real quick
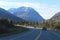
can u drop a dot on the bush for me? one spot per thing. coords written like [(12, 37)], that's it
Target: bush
[(5, 25)]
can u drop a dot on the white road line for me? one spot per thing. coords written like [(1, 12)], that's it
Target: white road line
[(38, 35)]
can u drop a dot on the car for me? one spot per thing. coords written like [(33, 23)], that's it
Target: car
[(44, 28)]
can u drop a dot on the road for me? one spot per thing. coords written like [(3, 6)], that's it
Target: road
[(34, 34)]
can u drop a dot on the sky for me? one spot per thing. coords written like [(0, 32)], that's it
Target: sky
[(46, 8)]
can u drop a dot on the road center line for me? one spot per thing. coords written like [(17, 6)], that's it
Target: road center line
[(38, 35)]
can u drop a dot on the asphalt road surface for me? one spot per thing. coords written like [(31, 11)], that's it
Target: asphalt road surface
[(34, 34)]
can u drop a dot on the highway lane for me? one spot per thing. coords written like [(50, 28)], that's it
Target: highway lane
[(49, 35), (29, 35), (34, 34)]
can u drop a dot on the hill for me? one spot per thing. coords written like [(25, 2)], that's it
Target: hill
[(27, 13), (56, 16), (7, 15)]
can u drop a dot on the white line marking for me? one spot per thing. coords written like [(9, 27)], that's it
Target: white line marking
[(38, 35)]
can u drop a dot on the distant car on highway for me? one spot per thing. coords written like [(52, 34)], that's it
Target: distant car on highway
[(44, 28)]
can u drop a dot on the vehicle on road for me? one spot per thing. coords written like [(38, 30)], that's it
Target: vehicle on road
[(44, 28)]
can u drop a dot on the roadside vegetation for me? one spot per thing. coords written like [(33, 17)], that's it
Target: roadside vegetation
[(53, 25), (49, 24), (7, 27)]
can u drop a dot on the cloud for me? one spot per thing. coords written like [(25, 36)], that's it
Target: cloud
[(17, 4), (47, 11)]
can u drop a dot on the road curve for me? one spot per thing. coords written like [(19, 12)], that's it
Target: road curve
[(29, 35), (34, 34)]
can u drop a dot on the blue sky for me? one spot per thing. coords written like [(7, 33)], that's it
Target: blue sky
[(46, 8)]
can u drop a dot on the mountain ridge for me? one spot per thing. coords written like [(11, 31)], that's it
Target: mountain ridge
[(28, 14), (56, 16), (5, 14)]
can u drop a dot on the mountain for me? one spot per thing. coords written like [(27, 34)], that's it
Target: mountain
[(56, 16), (12, 10), (8, 15), (27, 13)]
